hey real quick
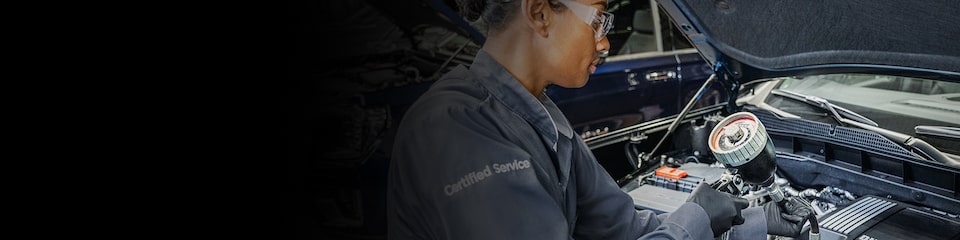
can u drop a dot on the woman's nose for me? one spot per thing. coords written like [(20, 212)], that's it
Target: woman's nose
[(603, 44)]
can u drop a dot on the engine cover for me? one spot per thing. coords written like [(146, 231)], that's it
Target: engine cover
[(879, 218)]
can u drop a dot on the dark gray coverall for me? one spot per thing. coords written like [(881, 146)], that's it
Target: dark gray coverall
[(479, 157)]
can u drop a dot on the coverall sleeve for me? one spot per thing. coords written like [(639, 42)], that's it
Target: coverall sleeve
[(754, 225), (606, 212)]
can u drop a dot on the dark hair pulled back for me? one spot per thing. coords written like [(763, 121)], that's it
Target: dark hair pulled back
[(494, 13)]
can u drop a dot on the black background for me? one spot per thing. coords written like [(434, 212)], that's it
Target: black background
[(337, 151)]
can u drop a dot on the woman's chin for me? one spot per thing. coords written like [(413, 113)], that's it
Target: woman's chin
[(574, 84)]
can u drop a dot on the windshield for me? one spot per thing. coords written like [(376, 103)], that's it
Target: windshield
[(895, 103)]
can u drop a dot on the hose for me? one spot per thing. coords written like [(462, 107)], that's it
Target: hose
[(814, 227)]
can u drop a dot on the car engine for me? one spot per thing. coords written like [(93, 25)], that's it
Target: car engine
[(849, 204)]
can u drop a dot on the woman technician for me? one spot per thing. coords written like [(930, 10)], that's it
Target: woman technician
[(485, 154)]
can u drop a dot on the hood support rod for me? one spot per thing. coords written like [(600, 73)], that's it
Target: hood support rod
[(683, 113)]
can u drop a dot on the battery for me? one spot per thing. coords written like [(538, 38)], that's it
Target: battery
[(665, 191), (685, 184), (694, 174)]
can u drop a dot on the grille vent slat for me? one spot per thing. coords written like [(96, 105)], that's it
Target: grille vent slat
[(851, 217)]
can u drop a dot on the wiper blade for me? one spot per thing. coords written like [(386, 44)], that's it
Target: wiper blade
[(938, 131), (836, 112)]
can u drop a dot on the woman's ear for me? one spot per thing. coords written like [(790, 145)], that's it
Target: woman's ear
[(538, 15)]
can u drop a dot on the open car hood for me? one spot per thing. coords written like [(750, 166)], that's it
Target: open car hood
[(755, 39)]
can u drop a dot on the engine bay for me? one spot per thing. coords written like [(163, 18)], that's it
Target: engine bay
[(855, 191)]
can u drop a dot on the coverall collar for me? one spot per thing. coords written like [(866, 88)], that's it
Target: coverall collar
[(542, 113)]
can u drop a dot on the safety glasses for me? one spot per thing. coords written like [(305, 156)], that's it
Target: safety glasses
[(601, 23)]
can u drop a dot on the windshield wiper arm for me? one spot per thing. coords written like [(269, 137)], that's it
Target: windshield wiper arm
[(836, 112)]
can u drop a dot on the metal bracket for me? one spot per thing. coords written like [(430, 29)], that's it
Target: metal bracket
[(731, 86)]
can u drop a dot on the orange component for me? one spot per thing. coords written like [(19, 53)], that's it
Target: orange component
[(671, 173)]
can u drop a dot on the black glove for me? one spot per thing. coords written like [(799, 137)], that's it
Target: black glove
[(786, 217), (722, 208)]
